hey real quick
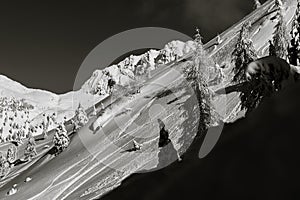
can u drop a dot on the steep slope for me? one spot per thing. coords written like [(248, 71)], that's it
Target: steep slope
[(135, 67), (94, 89), (97, 161), (263, 21), (40, 102), (255, 158)]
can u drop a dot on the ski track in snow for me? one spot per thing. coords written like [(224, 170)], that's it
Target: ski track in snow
[(65, 188), (86, 169), (146, 105)]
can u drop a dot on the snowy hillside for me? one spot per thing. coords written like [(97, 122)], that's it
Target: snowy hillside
[(99, 153), (97, 87), (40, 103)]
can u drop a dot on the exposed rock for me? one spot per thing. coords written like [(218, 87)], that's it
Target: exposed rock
[(13, 190)]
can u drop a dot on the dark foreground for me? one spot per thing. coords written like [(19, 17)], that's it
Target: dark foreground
[(255, 158)]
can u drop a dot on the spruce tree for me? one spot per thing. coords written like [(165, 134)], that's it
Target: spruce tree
[(294, 47), (61, 139), (80, 118), (197, 74), (30, 150), (272, 51), (11, 154), (243, 54), (4, 166), (280, 36)]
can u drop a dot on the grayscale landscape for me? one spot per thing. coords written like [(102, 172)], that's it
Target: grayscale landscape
[(100, 140)]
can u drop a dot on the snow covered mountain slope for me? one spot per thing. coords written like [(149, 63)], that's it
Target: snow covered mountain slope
[(94, 89), (255, 158), (98, 160), (134, 66)]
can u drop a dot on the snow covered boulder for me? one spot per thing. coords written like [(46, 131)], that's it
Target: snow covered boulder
[(28, 179), (12, 190)]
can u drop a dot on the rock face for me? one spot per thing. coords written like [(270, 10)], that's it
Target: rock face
[(174, 50), (126, 72), (102, 81)]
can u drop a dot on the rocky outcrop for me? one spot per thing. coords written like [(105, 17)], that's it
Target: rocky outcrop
[(133, 66)]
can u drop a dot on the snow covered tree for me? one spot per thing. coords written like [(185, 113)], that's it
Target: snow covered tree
[(80, 118), (11, 154), (197, 74), (2, 161), (61, 139), (243, 54), (1, 135), (4, 166), (257, 4), (294, 47), (45, 125), (30, 150), (272, 51), (280, 37)]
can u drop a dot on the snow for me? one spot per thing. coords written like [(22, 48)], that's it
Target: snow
[(98, 86), (71, 172), (28, 179), (126, 71), (42, 102), (13, 190)]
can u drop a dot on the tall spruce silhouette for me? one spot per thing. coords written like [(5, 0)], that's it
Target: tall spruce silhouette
[(243, 54)]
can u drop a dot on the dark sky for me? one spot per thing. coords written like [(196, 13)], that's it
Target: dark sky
[(43, 44)]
